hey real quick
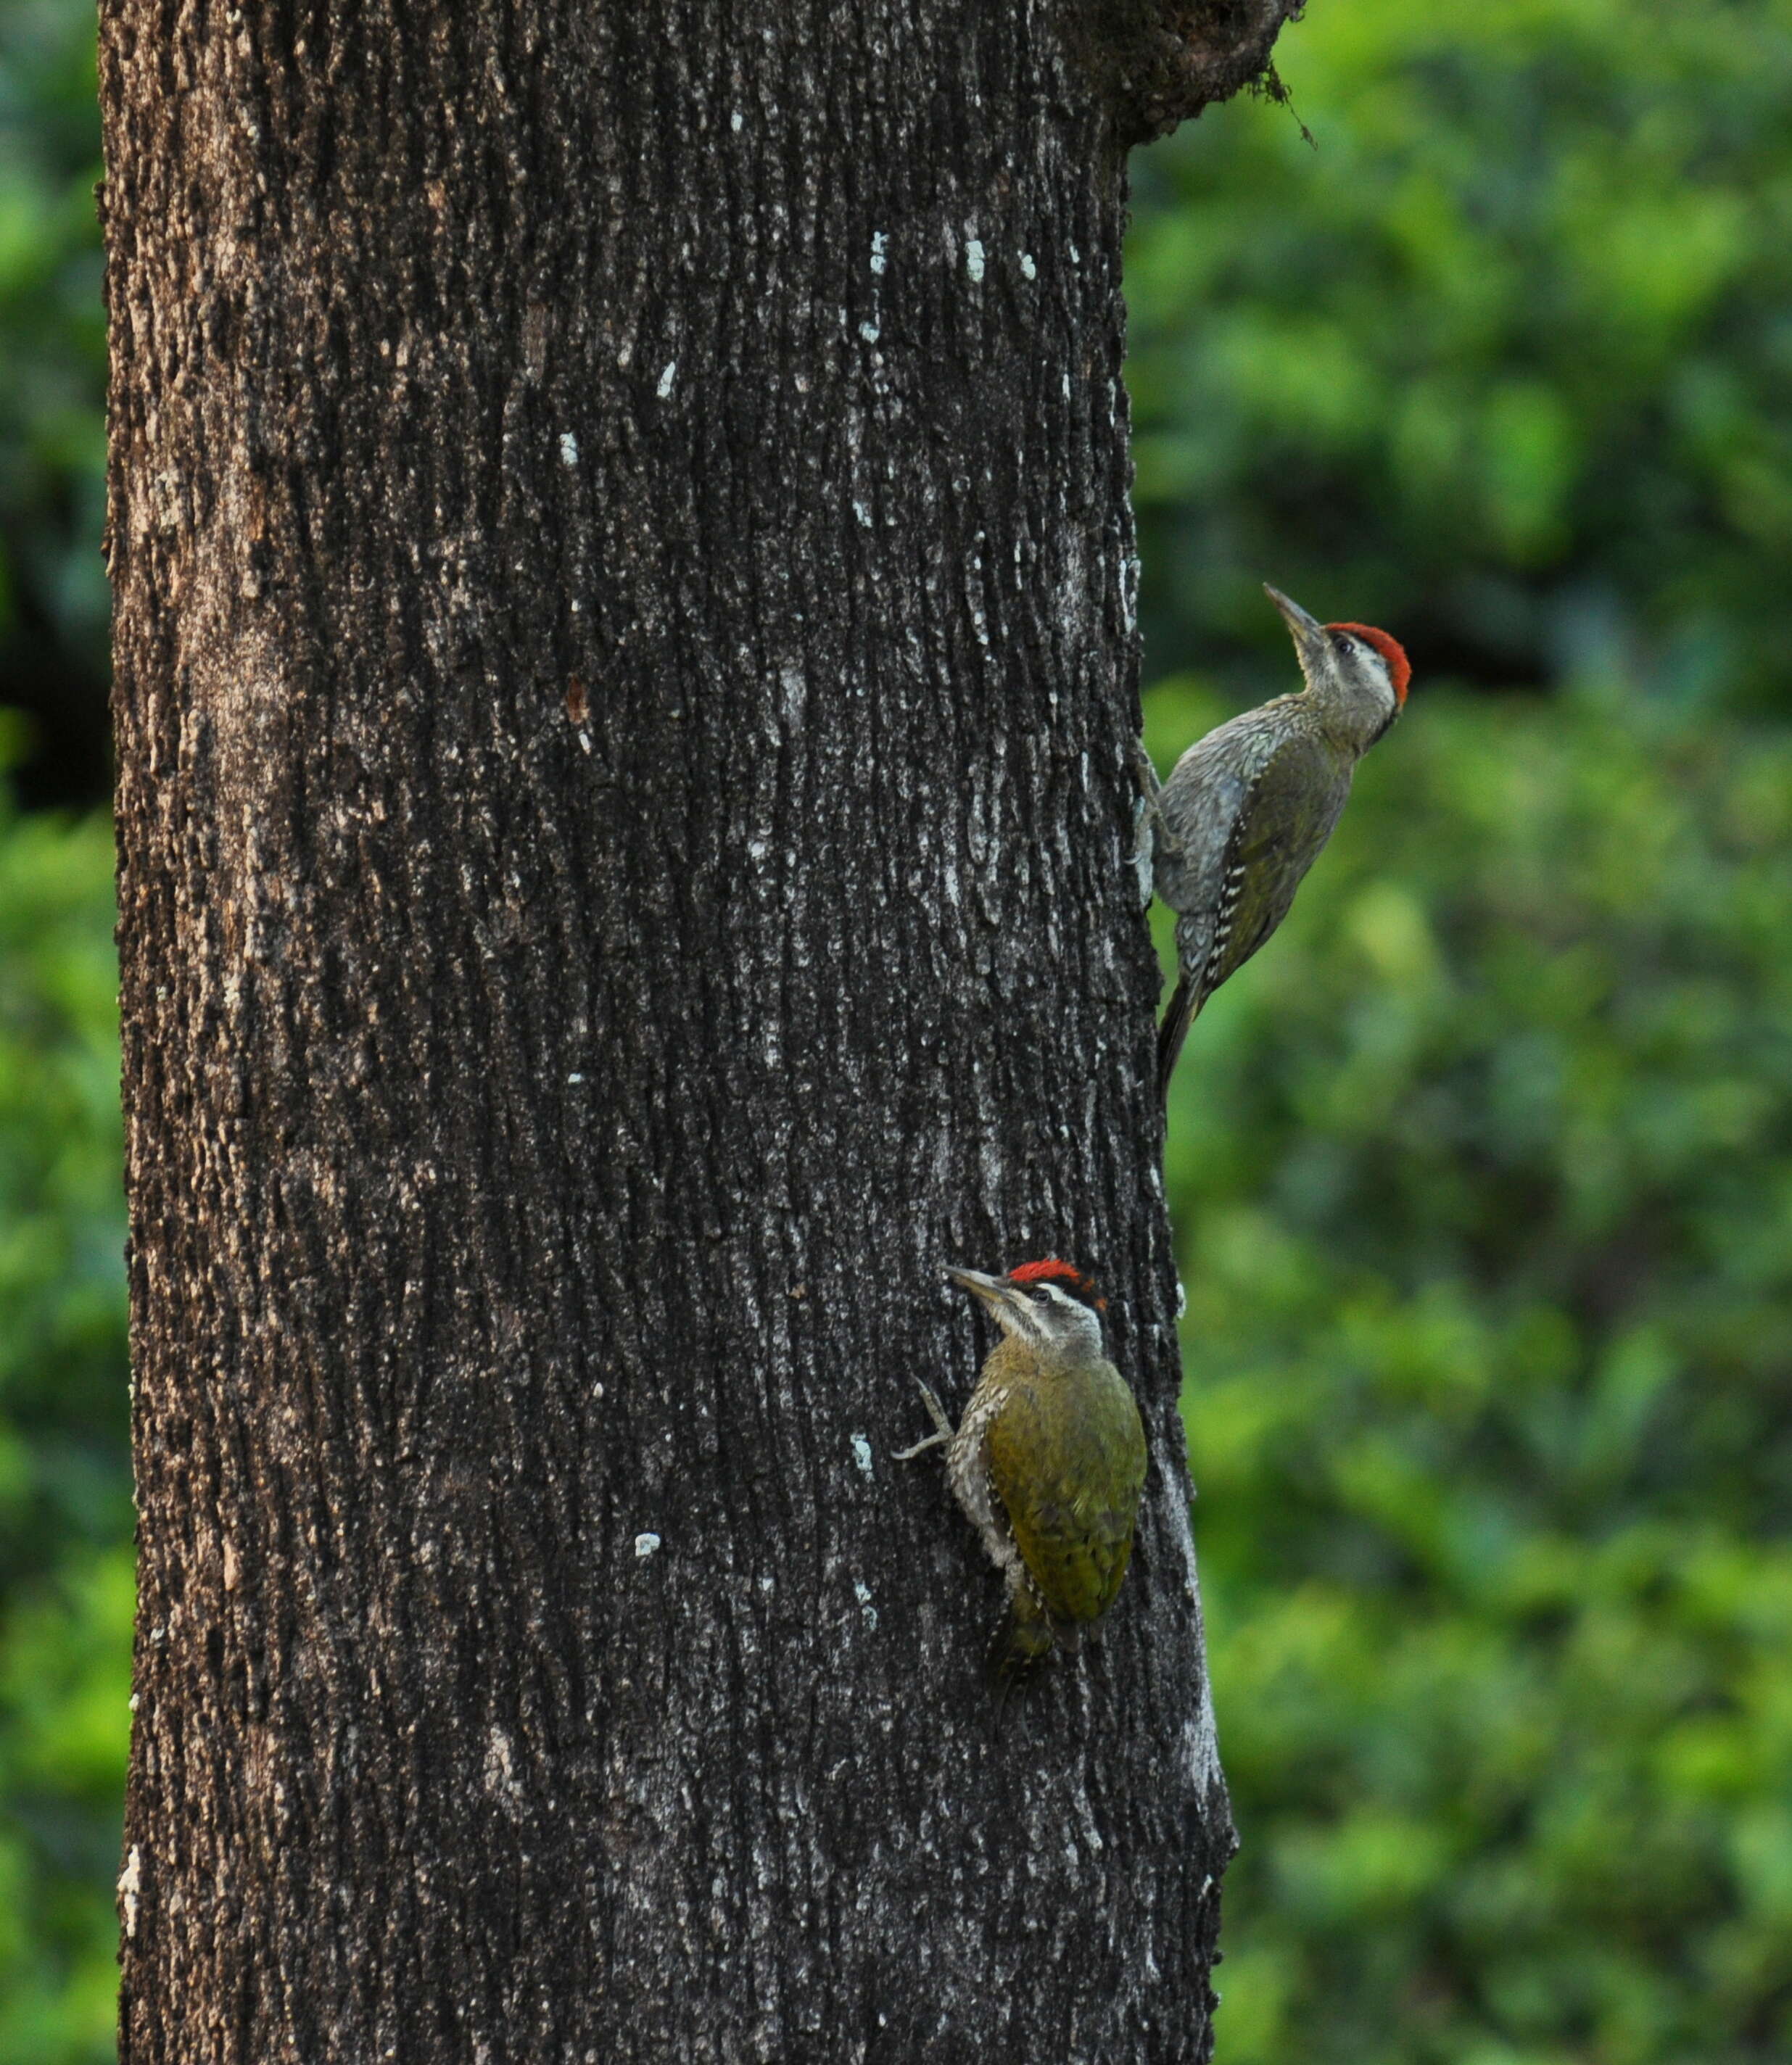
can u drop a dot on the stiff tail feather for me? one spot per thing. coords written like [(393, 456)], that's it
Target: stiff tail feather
[(1184, 1007), (1022, 1643)]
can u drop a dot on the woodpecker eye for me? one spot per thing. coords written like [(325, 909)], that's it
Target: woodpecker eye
[(1080, 1292)]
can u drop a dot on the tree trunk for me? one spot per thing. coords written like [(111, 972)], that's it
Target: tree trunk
[(625, 659)]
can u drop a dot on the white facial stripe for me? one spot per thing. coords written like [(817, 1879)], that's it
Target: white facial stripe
[(1074, 1323), (1026, 1321), (1374, 664)]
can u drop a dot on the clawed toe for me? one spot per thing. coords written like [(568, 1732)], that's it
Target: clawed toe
[(941, 1423)]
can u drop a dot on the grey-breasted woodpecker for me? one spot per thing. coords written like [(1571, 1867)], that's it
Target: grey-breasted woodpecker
[(1247, 809), (1048, 1461)]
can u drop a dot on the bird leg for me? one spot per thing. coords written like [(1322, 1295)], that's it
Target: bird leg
[(1145, 774), (946, 1430)]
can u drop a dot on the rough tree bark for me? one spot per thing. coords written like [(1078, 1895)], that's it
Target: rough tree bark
[(625, 661)]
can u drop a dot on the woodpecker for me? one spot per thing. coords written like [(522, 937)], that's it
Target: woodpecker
[(1048, 1460), (1247, 809)]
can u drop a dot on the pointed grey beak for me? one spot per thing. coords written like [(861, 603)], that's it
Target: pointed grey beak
[(1308, 633), (1293, 616), (994, 1291)]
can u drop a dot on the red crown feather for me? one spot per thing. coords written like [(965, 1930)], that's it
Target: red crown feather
[(1052, 1271), (1400, 667)]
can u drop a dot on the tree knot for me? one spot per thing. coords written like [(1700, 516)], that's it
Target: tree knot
[(1164, 60)]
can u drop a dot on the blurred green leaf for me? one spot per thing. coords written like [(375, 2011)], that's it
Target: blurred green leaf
[(65, 1516), (1504, 362)]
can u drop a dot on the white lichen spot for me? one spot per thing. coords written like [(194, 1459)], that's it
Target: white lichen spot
[(863, 512), (1181, 1299), (1076, 256), (584, 736), (575, 1077), (880, 250), (737, 122), (646, 1544), (861, 1453), (132, 1703), (870, 332), (129, 1885), (861, 1591), (973, 258), (1029, 270), (667, 378), (1201, 1747), (500, 1771), (568, 449)]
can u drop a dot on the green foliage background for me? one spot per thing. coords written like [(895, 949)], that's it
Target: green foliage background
[(53, 602), (1482, 1171)]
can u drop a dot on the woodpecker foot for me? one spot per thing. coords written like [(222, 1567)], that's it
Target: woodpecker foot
[(1144, 772), (946, 1430)]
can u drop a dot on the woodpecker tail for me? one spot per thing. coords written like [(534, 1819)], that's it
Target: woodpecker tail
[(1025, 1639), (1022, 1643), (1184, 1007)]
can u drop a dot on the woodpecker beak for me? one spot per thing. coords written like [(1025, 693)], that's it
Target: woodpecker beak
[(1308, 632), (1012, 1309)]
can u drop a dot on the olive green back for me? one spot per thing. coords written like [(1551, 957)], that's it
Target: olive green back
[(1067, 1459)]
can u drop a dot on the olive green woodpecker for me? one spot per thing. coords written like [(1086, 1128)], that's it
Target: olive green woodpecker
[(1048, 1460)]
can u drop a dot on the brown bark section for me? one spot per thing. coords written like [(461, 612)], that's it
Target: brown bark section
[(624, 659)]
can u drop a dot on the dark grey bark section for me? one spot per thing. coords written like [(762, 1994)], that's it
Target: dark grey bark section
[(1160, 62), (625, 661)]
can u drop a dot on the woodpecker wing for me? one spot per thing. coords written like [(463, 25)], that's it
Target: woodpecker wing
[(1206, 789), (1292, 809), (1066, 1457), (1203, 804)]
